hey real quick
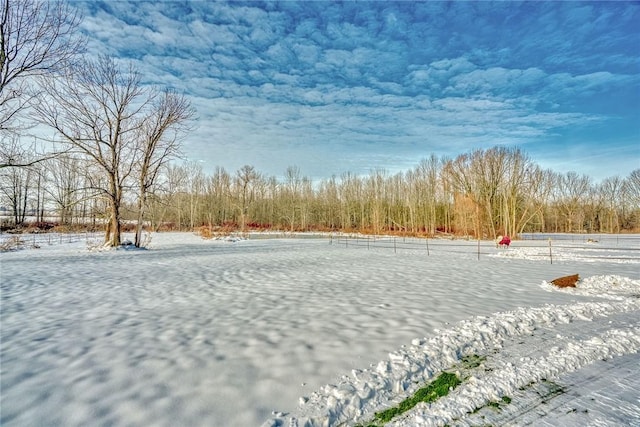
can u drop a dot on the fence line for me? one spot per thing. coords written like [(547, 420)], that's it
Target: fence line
[(546, 250), (616, 239), (622, 248), (9, 241)]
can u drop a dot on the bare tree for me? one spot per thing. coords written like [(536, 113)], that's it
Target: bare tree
[(631, 198), (218, 196), (196, 187), (632, 187), (67, 185), (127, 131), (97, 112), (426, 174), (15, 188), (329, 198), (291, 195), (573, 190), (374, 190), (246, 176), (497, 190), (521, 183), (175, 190), (610, 192), (160, 134), (461, 177), (36, 38)]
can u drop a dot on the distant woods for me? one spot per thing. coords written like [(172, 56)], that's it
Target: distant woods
[(483, 193)]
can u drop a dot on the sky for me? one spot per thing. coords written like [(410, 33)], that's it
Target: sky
[(335, 87)]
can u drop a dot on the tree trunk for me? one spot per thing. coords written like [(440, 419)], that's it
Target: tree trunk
[(107, 231), (116, 227), (139, 224), (113, 228)]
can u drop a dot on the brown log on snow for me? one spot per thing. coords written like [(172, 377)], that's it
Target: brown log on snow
[(566, 281)]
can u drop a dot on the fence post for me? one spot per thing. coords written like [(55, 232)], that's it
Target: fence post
[(346, 241), (427, 246), (367, 242), (395, 251), (478, 248), (550, 253)]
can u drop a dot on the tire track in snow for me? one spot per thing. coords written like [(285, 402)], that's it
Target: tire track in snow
[(578, 398), (355, 399), (544, 358)]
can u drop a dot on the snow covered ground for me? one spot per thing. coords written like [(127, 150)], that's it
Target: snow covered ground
[(313, 331)]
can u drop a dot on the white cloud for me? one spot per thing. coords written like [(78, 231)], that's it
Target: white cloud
[(305, 82)]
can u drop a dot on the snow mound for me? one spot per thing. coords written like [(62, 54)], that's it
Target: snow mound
[(231, 239), (569, 254), (611, 286)]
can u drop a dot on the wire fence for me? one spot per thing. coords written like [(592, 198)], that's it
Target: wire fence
[(9, 241), (608, 239), (623, 248), (551, 248)]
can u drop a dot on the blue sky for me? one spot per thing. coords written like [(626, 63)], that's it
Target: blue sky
[(332, 87)]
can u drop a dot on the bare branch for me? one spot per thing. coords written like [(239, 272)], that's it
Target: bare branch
[(36, 38)]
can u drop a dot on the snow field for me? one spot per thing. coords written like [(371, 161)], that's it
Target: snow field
[(233, 333)]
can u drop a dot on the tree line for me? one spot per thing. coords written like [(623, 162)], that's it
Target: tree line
[(483, 193)]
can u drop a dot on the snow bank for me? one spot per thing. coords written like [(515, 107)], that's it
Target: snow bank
[(358, 397), (611, 286), (570, 253)]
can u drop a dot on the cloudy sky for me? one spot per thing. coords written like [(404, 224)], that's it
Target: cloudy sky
[(356, 86)]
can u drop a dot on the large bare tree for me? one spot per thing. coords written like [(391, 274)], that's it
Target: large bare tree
[(126, 130), (159, 142), (97, 112)]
